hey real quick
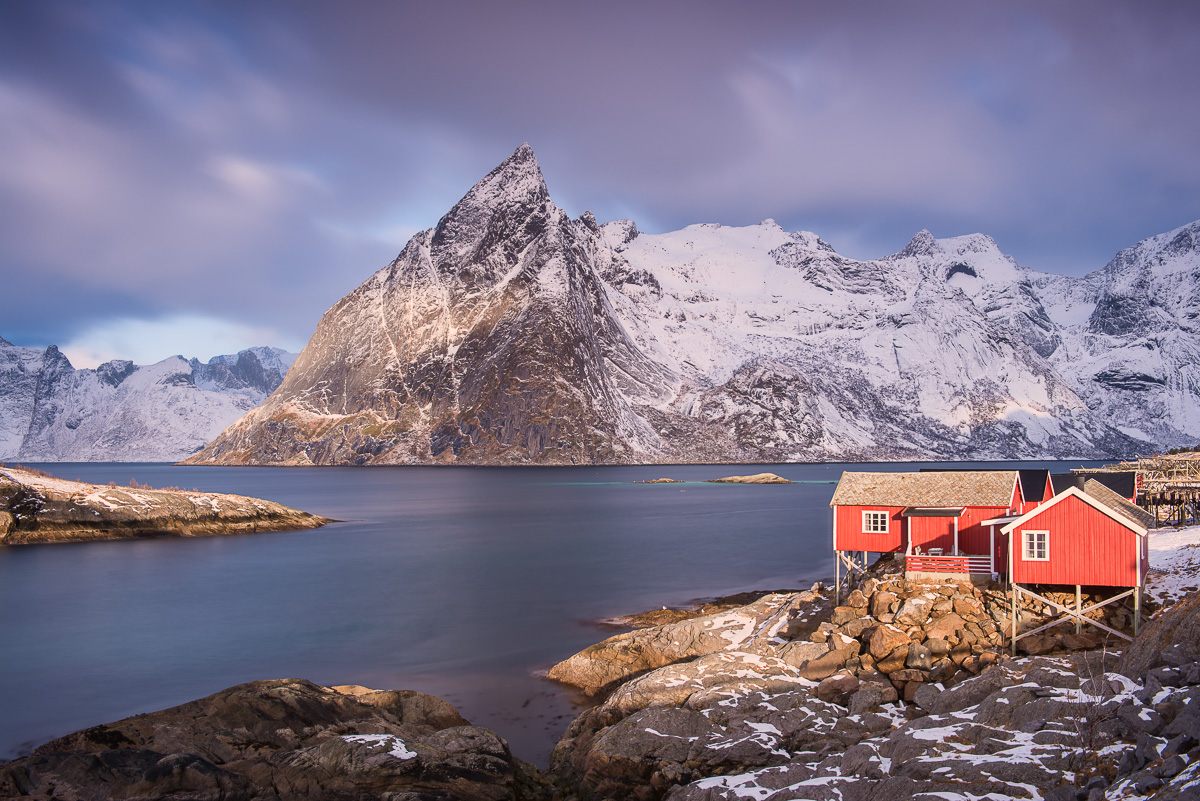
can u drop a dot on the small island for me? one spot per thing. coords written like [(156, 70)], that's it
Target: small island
[(37, 508), (757, 478)]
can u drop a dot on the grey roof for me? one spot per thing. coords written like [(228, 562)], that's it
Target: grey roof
[(958, 488), (1118, 504)]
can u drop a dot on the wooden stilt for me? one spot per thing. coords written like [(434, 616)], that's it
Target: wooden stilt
[(1013, 606), (1078, 606), (837, 580), (1137, 610), (1077, 613)]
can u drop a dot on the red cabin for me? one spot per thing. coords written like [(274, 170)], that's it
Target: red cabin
[(1076, 539), (936, 519)]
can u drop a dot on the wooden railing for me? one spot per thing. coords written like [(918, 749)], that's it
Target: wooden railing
[(947, 564)]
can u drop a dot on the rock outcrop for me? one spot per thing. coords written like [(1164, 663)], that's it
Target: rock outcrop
[(35, 508), (757, 478), (920, 700), (623, 656), (280, 740)]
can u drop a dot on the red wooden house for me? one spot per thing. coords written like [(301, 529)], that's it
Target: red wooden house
[(1075, 539), (936, 519), (1089, 537), (962, 522)]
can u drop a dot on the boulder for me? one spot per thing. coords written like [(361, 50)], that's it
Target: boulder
[(883, 603), (945, 628), (914, 611), (287, 739), (885, 640), (624, 656), (838, 688)]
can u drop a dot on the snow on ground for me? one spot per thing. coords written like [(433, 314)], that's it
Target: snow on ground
[(1174, 563)]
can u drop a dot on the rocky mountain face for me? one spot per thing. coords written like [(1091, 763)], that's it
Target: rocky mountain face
[(49, 411), (511, 333)]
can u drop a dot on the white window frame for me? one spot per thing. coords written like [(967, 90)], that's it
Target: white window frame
[(870, 522), (1029, 546)]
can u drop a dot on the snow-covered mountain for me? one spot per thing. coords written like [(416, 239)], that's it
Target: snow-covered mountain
[(49, 411), (510, 333)]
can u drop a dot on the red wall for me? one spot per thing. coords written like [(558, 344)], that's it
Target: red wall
[(932, 532), (847, 522), (1086, 547), (972, 537)]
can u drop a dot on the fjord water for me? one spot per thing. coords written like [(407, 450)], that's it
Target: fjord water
[(461, 582)]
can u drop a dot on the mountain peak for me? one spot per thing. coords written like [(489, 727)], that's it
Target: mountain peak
[(923, 244), (518, 175), (501, 202)]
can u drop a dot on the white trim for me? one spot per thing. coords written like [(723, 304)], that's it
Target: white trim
[(871, 528), (1026, 541), (835, 510), (1089, 500)]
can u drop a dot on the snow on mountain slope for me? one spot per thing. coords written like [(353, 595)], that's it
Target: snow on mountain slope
[(49, 411), (1131, 337), (811, 355), (510, 333)]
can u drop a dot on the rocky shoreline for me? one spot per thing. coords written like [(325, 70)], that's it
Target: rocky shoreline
[(768, 701), (36, 508)]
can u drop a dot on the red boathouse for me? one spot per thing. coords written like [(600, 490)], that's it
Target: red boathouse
[(935, 518)]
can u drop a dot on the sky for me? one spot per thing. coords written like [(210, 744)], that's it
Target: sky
[(198, 177)]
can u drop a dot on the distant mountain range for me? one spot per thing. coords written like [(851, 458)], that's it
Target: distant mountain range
[(511, 334), (49, 411)]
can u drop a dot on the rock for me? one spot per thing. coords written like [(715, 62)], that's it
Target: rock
[(885, 640), (757, 478), (883, 603), (287, 739), (969, 607), (799, 654), (842, 615), (919, 657), (945, 628), (1172, 636), (867, 698), (824, 666), (626, 655), (856, 599), (722, 672), (914, 611), (838, 688), (37, 508), (855, 628)]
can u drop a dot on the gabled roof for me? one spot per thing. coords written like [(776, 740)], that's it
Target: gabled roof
[(931, 489), (1123, 483), (1063, 481), (1075, 492), (1113, 499), (1033, 484), (1033, 481)]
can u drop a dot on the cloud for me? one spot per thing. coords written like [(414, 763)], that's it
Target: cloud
[(151, 341), (255, 162)]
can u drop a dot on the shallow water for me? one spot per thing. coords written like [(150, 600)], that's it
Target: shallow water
[(461, 582)]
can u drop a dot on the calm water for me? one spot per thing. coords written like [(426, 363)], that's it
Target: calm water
[(461, 582)]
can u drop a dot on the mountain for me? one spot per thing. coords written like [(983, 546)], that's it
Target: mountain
[(511, 333), (49, 411)]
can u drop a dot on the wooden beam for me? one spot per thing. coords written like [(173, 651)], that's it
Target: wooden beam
[(1079, 615)]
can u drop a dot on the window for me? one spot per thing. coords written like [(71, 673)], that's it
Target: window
[(1036, 546), (875, 522)]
